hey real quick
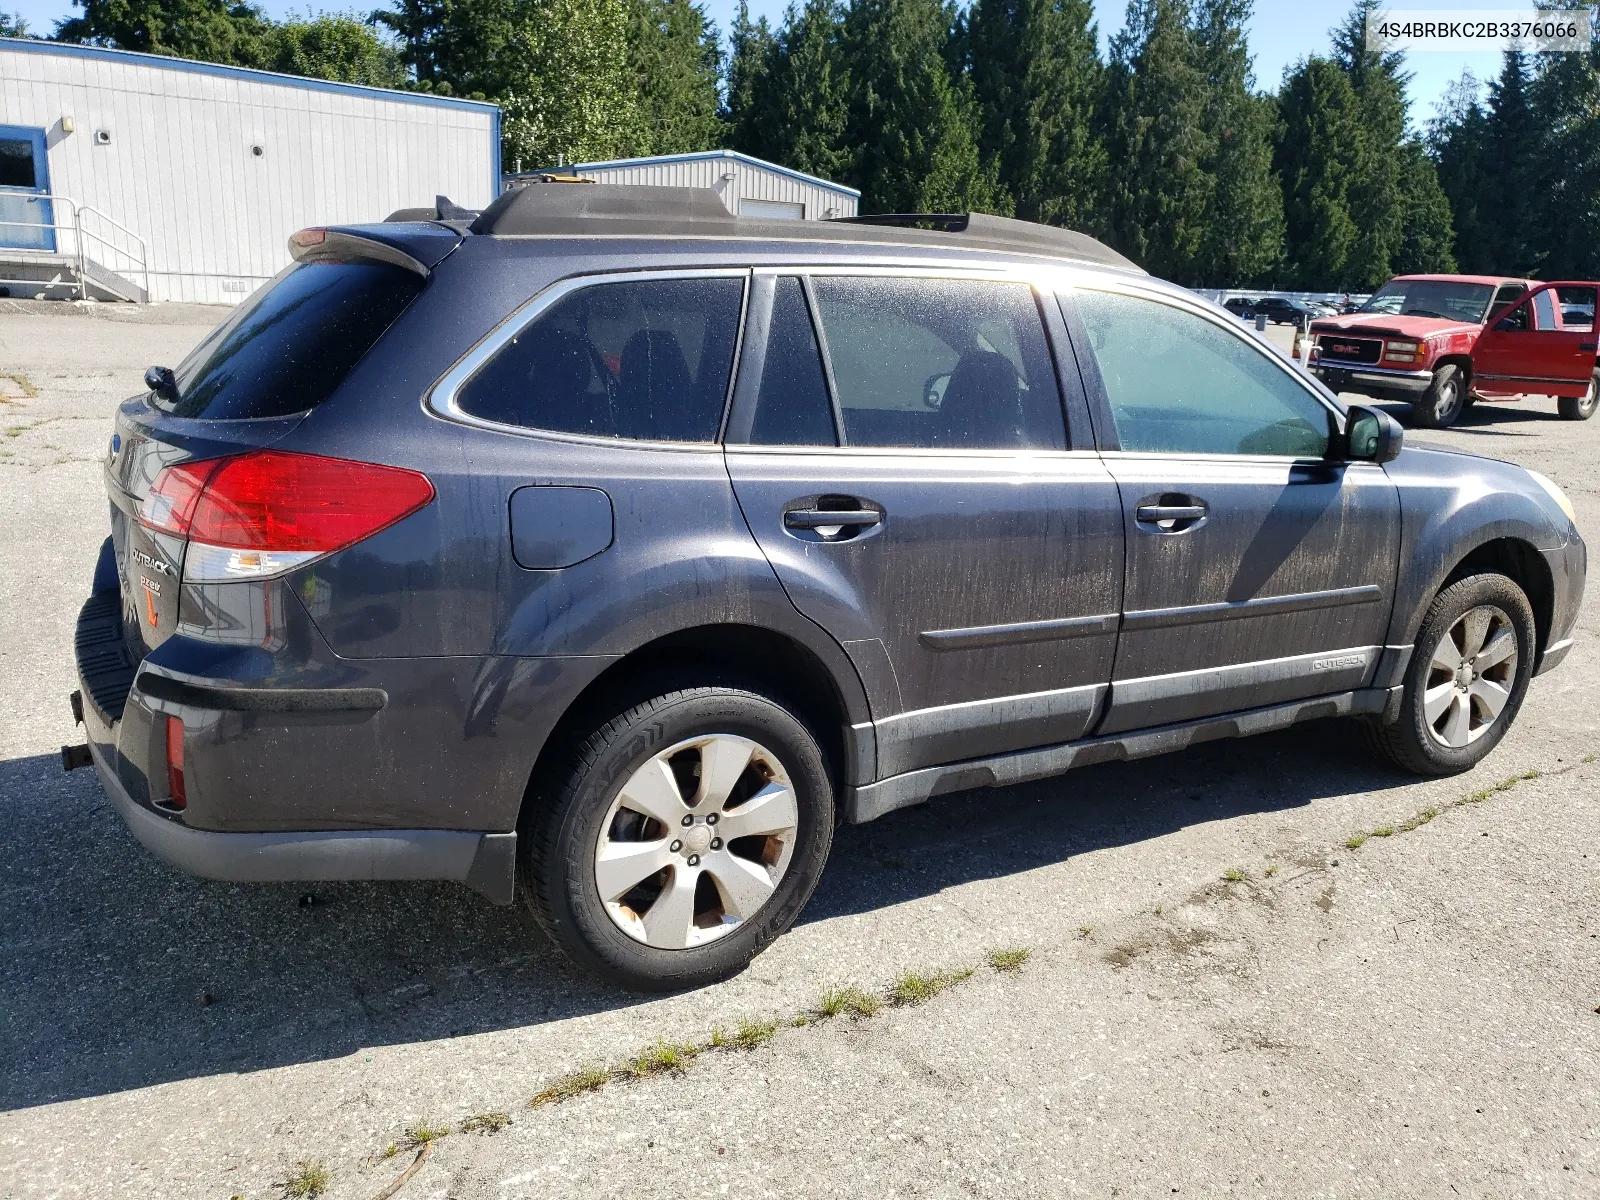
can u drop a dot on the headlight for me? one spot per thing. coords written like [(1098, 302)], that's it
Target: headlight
[(1556, 494)]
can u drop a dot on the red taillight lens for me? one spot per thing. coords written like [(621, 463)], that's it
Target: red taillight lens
[(273, 500), (176, 798)]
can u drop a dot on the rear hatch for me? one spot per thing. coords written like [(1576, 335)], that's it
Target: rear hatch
[(283, 352)]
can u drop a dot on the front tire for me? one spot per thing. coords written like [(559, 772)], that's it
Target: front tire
[(1468, 675), (1442, 404), (687, 833), (1580, 408)]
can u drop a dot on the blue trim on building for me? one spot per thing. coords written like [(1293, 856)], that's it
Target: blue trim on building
[(701, 156), (161, 61)]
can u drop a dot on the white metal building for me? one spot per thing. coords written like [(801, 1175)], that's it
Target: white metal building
[(185, 179), (748, 186)]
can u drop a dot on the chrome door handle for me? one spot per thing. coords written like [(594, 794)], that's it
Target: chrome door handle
[(827, 518), (1169, 512)]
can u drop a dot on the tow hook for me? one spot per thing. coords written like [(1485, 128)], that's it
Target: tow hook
[(73, 757)]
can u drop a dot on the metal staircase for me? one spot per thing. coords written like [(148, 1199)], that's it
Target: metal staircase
[(95, 257)]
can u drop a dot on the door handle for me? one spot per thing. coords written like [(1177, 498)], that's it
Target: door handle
[(827, 518), (1169, 512)]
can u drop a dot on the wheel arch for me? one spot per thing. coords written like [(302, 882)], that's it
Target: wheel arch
[(1520, 562), (828, 699)]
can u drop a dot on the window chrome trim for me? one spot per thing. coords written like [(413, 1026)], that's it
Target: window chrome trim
[(442, 399)]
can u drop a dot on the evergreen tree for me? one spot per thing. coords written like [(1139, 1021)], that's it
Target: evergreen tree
[(1375, 189), (12, 25), (676, 58), (210, 30), (1513, 153), (1457, 138), (1567, 101), (1036, 76), (1427, 232), (747, 113), (914, 126), (1243, 233), (807, 102), (1158, 142), (1318, 150)]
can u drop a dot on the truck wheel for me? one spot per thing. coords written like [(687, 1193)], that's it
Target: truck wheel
[(1468, 674), (687, 833), (1580, 408), (1441, 405)]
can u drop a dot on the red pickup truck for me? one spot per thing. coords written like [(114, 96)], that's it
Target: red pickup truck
[(1441, 342)]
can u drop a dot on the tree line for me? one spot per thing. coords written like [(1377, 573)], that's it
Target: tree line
[(1164, 146)]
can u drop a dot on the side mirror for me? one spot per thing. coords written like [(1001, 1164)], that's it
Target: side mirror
[(162, 382), (1372, 435)]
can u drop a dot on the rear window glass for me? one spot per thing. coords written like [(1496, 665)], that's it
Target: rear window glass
[(287, 348), (646, 359)]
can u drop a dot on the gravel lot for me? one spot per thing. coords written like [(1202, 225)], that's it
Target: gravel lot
[(1416, 1016)]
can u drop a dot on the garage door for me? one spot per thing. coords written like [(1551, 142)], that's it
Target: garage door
[(772, 210)]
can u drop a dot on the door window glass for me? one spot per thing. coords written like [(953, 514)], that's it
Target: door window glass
[(1577, 308), (940, 363), (16, 163), (792, 408), (647, 359), (1544, 304), (1518, 320), (1179, 384), (1508, 294)]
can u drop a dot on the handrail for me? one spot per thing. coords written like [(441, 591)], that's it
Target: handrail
[(81, 236)]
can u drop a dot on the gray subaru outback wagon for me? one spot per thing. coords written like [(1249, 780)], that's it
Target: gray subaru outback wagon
[(614, 544)]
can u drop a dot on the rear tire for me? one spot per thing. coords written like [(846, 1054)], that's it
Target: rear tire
[(1443, 403), (1448, 725), (1580, 408), (697, 913)]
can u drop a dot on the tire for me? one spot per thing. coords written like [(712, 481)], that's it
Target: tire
[(1580, 408), (680, 926), (1431, 737), (1445, 400)]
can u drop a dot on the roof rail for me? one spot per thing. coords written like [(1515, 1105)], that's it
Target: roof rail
[(1023, 235), (650, 211), (444, 209)]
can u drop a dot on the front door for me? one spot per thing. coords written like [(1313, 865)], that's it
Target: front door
[(897, 447), (1259, 572), (25, 215), (1545, 345)]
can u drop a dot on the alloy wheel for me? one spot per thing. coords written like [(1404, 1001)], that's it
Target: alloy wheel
[(1448, 402), (1470, 676), (696, 841)]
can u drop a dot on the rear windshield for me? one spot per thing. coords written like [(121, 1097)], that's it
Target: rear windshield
[(291, 344)]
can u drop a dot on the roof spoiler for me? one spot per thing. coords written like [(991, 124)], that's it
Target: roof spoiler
[(334, 245)]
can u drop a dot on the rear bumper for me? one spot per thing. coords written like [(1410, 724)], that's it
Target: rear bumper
[(485, 862)]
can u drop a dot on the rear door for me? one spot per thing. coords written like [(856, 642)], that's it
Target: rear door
[(897, 446), (1258, 570), (1533, 348)]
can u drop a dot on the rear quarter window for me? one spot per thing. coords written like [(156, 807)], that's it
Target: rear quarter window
[(288, 348)]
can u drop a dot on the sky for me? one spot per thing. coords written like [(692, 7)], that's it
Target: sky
[(1281, 33)]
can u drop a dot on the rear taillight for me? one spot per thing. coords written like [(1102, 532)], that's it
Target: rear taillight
[(260, 514), (176, 798)]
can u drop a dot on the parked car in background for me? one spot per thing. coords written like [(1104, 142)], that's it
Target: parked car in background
[(610, 543), (1442, 342), (1240, 306), (1281, 310)]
